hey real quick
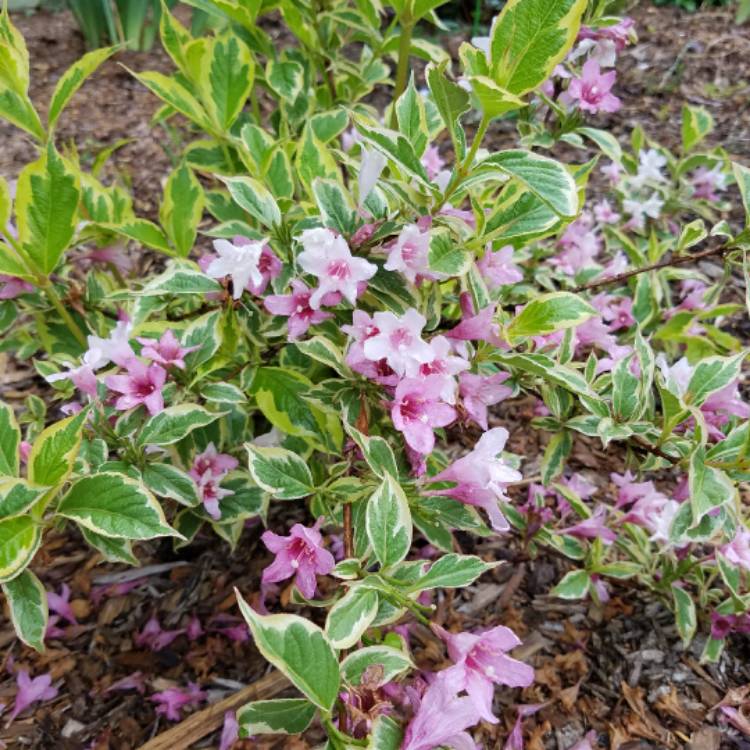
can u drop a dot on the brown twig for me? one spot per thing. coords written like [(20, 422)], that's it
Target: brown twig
[(675, 261), (198, 725)]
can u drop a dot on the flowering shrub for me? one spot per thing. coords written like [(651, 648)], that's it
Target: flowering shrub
[(372, 289)]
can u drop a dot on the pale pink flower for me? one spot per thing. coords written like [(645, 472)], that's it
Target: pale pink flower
[(738, 550), (594, 527), (166, 351), (210, 460), (13, 287), (269, 267), (409, 254), (479, 327), (482, 477), (211, 494), (327, 257), (639, 210), (240, 262), (604, 213), (515, 738), (445, 364), (143, 384), (60, 604), (29, 691), (442, 717), (481, 662), (708, 182), (194, 629), (417, 410), (498, 268), (581, 245), (301, 554), (296, 306), (152, 635), (432, 162), (171, 701), (480, 391), (621, 33), (24, 450), (230, 731), (592, 91), (112, 255), (399, 341), (612, 172)]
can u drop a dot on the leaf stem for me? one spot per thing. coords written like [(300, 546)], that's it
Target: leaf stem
[(49, 290)]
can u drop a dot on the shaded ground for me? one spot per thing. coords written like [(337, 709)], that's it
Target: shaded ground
[(618, 670)]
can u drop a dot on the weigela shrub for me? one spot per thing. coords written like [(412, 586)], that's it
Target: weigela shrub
[(377, 280)]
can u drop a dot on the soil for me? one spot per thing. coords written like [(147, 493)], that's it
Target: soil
[(617, 669)]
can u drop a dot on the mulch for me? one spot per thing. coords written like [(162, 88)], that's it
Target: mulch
[(618, 669)]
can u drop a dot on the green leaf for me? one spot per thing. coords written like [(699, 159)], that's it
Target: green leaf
[(72, 79), (20, 538), (55, 449), (114, 505), (286, 78), (324, 351), (529, 38), (452, 571), (300, 650), (555, 455), (350, 617), (143, 232), (166, 480), (411, 117), (395, 147), (386, 734), (182, 208), (388, 522), (376, 451), (446, 256), (336, 206), (253, 197), (451, 101), (494, 99), (545, 177), (174, 423), (10, 440), (574, 585), (27, 601), (280, 472), (46, 207), (227, 78), (111, 549), (608, 144), (697, 123), (280, 716), (626, 391), (17, 496), (181, 277), (711, 375), (710, 488), (685, 617), (548, 313), (381, 663), (742, 175)]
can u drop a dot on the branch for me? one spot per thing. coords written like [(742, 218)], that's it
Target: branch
[(675, 261)]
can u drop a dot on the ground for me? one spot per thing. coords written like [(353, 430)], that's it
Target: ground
[(619, 670)]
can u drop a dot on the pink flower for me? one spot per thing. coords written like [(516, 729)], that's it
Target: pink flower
[(409, 254), (113, 255), (301, 554), (515, 738), (142, 385), (13, 287), (479, 391), (581, 245), (24, 450), (153, 637), (211, 493), (479, 327), (416, 410), (60, 604), (617, 311), (482, 477), (593, 527), (621, 33), (327, 257), (592, 90), (738, 550), (29, 691), (230, 732), (612, 172), (432, 162), (296, 306), (442, 717), (166, 351), (172, 700), (269, 267), (240, 261), (218, 464), (498, 268), (194, 629), (481, 662), (133, 681), (399, 342), (605, 214), (444, 364)]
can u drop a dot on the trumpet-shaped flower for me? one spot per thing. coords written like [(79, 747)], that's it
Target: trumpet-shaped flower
[(142, 385), (171, 701), (738, 550), (29, 691), (301, 554), (592, 91), (298, 308), (167, 351), (13, 287), (240, 262), (497, 268), (481, 662), (327, 257), (409, 254), (482, 477), (399, 342), (480, 391), (442, 717), (417, 410)]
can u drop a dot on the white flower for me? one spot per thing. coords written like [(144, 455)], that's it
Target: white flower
[(640, 209), (399, 341), (373, 163), (677, 377), (239, 262), (649, 167)]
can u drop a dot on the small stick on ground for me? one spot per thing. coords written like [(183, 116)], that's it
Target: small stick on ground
[(510, 588), (198, 725)]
